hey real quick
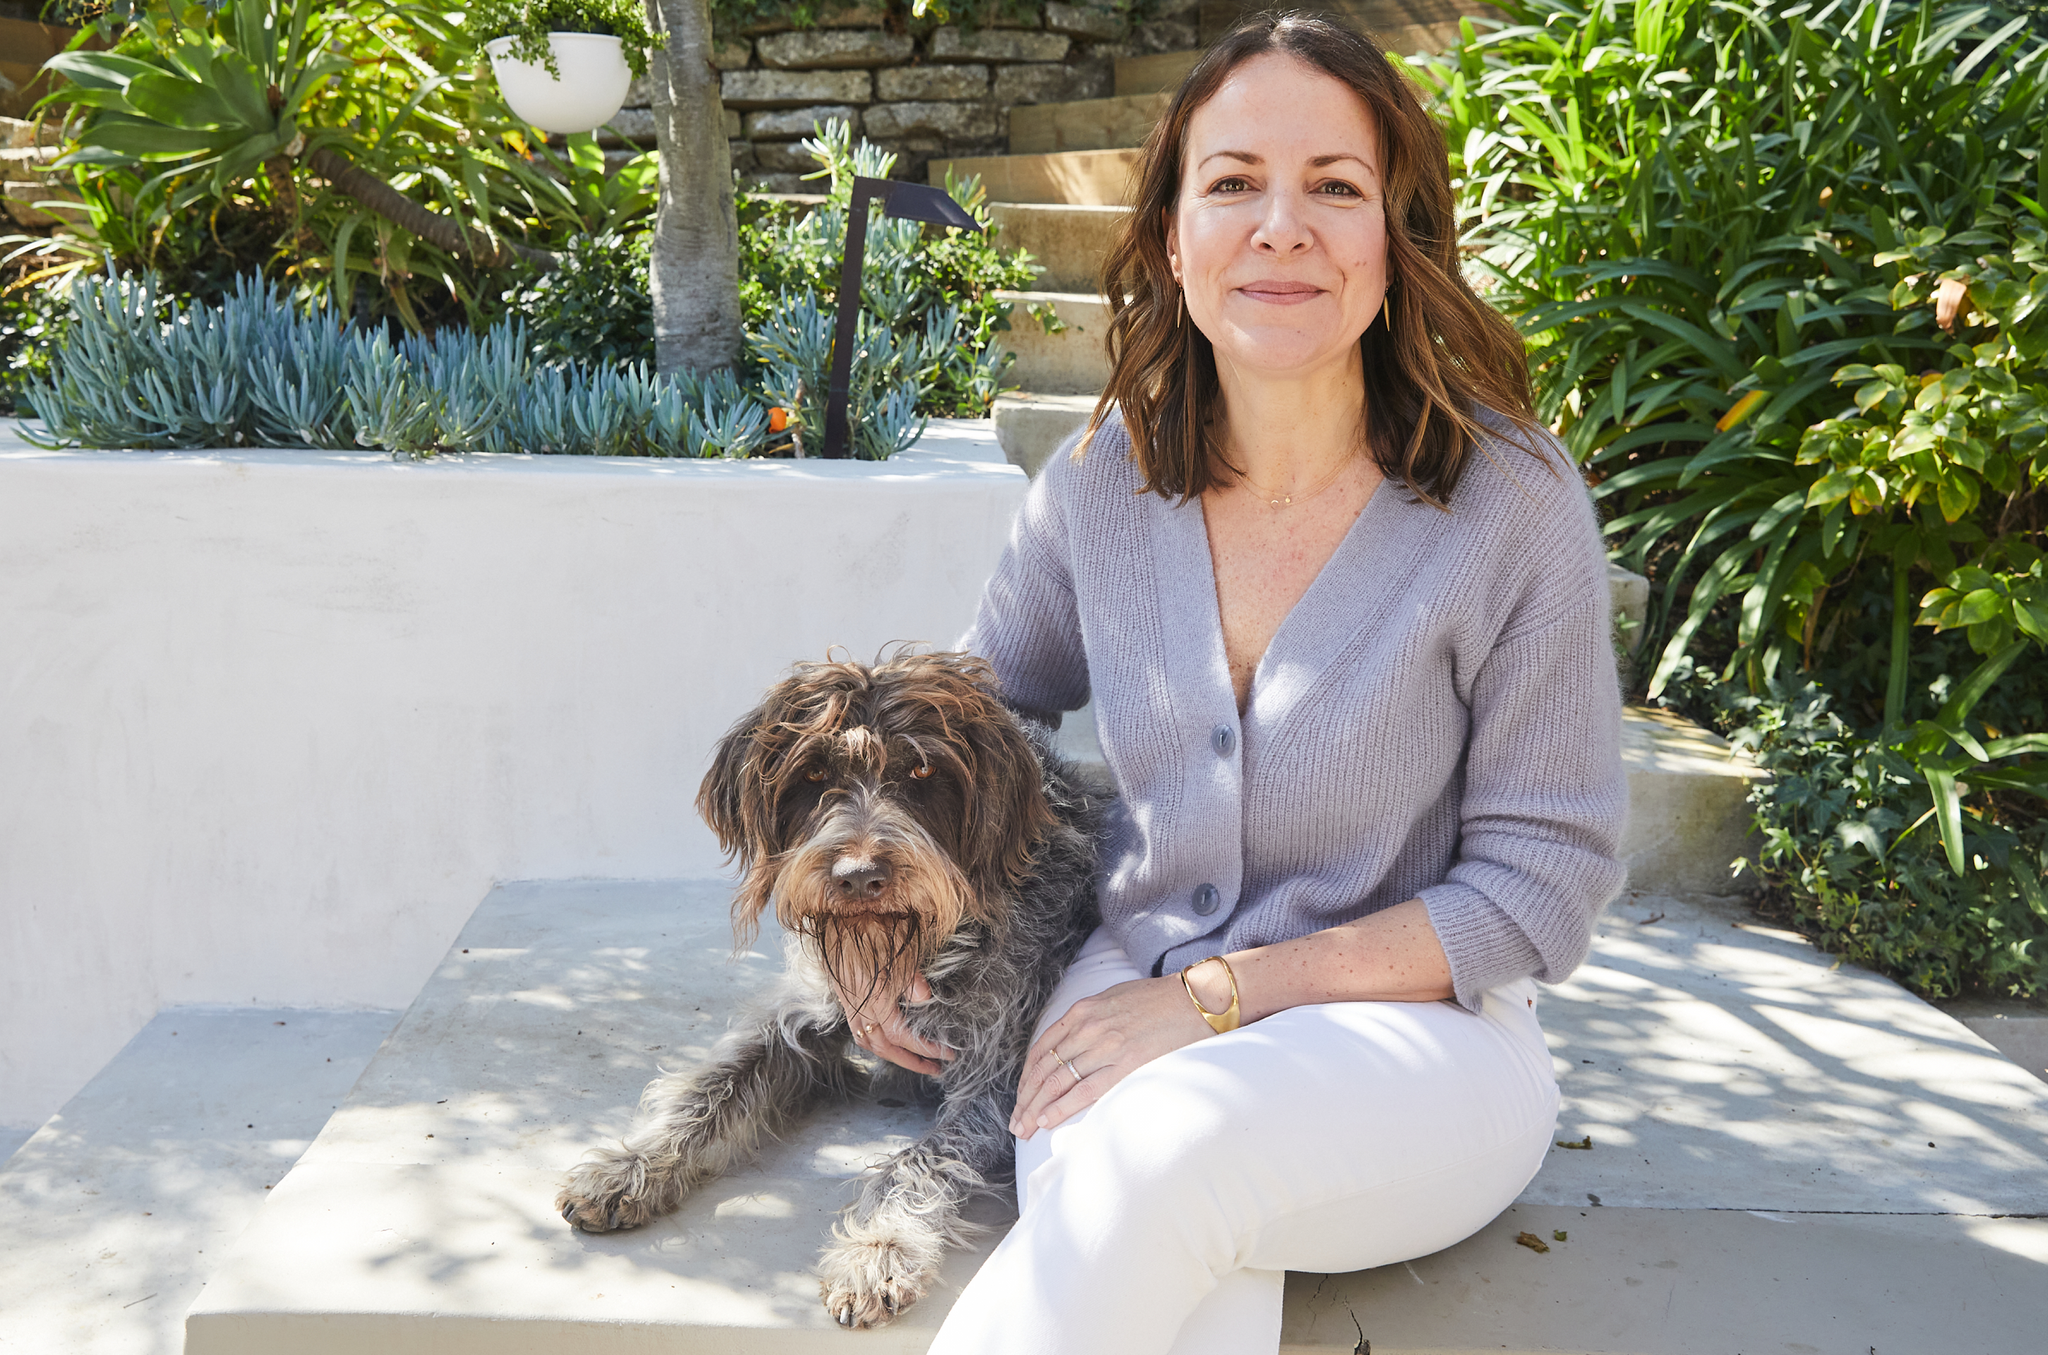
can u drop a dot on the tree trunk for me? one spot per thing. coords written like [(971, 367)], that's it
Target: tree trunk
[(696, 267)]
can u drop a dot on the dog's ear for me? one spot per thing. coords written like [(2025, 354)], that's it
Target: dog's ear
[(1006, 814), (737, 800), (722, 798)]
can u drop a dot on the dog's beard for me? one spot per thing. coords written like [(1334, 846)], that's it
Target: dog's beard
[(871, 948)]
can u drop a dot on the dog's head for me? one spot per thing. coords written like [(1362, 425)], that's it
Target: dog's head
[(876, 808)]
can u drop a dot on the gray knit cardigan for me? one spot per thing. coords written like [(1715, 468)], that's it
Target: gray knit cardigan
[(1437, 718)]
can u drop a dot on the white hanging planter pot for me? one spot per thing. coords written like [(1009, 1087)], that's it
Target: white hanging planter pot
[(589, 94)]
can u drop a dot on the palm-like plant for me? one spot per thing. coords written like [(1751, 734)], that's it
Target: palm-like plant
[(363, 126)]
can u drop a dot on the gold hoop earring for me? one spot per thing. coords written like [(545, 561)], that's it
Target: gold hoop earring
[(1180, 307), (1387, 310)]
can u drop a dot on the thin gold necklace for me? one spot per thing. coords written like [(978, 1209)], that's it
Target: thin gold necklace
[(1278, 501)]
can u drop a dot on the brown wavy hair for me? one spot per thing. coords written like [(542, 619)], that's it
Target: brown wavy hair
[(1430, 379)]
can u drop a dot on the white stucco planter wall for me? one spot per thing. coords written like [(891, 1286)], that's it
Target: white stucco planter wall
[(274, 721)]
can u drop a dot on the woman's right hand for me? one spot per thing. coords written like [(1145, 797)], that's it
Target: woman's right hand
[(881, 1027)]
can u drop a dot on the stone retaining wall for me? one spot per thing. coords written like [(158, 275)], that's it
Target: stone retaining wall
[(920, 91)]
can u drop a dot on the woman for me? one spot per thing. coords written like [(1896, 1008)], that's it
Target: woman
[(1342, 609)]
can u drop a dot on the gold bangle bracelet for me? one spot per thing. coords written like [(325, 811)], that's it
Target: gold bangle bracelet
[(1225, 1020)]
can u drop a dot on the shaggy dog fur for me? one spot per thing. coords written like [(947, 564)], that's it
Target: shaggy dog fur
[(899, 820)]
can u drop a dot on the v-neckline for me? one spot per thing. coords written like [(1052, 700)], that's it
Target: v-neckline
[(1341, 599)]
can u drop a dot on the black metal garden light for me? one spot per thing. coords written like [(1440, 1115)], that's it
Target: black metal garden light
[(911, 201)]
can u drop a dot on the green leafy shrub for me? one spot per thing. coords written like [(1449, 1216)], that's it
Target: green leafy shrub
[(595, 306), (1849, 855), (929, 310), (528, 23), (1781, 268), (1699, 214), (33, 320)]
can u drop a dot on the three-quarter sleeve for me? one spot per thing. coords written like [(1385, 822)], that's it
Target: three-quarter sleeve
[(1028, 626), (1545, 792)]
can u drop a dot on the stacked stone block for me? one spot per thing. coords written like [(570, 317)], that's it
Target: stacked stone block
[(925, 94)]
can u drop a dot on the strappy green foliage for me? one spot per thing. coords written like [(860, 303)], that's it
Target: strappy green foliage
[(1782, 268), (1716, 222)]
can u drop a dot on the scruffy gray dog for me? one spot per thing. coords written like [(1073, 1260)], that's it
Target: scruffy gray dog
[(900, 820)]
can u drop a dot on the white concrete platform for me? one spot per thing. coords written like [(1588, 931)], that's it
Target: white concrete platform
[(115, 1211), (1759, 1120), (422, 1218)]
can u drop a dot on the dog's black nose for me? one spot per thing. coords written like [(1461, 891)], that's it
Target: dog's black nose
[(860, 879)]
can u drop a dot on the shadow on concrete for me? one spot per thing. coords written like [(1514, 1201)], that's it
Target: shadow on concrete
[(1720, 1063), (110, 1212)]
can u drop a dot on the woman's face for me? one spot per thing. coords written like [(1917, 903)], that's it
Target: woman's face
[(1279, 236)]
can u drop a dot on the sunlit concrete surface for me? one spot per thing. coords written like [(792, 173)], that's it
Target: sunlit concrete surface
[(422, 1218), (1721, 1063), (1694, 1282), (2019, 1028), (116, 1210), (1788, 1201)]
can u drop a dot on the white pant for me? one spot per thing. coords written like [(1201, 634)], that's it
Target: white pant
[(1327, 1138)]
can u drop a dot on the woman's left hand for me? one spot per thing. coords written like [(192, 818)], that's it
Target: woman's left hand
[(1103, 1040)]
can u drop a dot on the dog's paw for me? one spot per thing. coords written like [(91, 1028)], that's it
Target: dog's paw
[(867, 1283), (607, 1193)]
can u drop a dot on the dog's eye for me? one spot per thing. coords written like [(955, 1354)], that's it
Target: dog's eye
[(921, 772), (815, 774)]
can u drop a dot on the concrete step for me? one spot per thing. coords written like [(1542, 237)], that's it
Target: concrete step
[(2017, 1028), (1093, 178), (1688, 795), (1759, 1118), (115, 1212), (1067, 241), (1071, 242), (1160, 73), (1031, 426), (1071, 361), (1085, 125)]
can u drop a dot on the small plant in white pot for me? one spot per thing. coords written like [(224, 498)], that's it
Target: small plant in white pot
[(564, 65)]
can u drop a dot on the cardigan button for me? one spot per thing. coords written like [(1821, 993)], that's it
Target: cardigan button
[(1223, 739), (1207, 899)]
